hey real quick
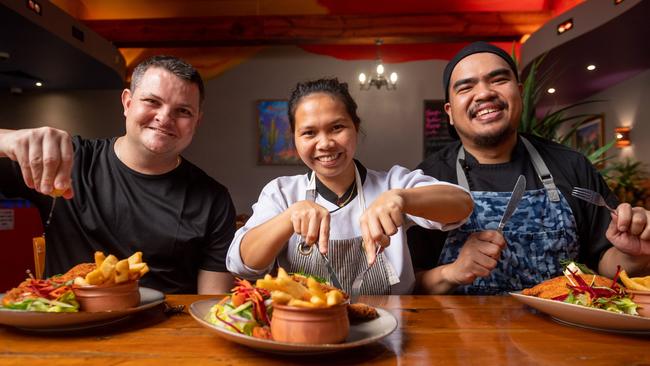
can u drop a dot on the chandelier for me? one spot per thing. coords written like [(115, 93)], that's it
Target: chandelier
[(378, 79)]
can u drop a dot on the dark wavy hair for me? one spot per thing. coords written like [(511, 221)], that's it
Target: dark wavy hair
[(332, 87), (175, 65)]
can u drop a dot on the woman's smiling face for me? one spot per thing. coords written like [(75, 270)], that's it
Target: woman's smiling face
[(325, 136)]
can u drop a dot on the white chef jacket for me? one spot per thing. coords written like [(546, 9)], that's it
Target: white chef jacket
[(282, 192)]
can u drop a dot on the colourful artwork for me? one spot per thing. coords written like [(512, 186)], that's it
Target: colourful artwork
[(589, 136), (274, 133)]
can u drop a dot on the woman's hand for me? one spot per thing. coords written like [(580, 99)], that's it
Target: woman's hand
[(380, 221), (45, 157), (312, 222)]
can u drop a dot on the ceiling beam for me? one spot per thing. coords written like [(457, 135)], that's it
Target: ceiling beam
[(317, 29)]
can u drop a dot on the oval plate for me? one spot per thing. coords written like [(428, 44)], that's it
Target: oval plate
[(360, 334), (36, 320), (586, 317)]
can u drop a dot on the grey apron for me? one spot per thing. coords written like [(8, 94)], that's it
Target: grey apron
[(347, 256), (540, 234)]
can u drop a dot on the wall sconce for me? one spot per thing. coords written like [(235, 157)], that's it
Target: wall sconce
[(622, 135)]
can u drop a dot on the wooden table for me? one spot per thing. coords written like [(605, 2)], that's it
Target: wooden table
[(444, 330)]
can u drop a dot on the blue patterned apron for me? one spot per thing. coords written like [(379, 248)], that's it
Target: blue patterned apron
[(540, 233)]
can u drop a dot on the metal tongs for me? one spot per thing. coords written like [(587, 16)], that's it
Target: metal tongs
[(305, 249)]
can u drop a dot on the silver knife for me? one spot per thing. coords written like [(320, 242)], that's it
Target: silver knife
[(306, 250), (333, 278), (517, 193)]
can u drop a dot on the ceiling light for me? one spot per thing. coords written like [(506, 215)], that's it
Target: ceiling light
[(565, 26), (616, 2), (378, 79), (551, 90), (591, 67), (38, 83)]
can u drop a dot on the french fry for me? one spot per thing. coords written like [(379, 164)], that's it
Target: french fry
[(315, 289), (122, 271), (643, 281), (135, 258), (99, 258), (630, 284), (270, 285), (318, 301), (280, 297), (293, 288), (111, 271), (301, 303), (144, 270), (334, 297), (108, 267), (95, 277), (282, 273)]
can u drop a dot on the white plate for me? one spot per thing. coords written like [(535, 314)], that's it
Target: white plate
[(34, 320), (586, 317), (360, 334)]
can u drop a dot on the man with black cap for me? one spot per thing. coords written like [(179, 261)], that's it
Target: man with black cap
[(484, 105)]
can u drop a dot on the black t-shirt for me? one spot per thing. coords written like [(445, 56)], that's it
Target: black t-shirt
[(569, 169), (182, 221)]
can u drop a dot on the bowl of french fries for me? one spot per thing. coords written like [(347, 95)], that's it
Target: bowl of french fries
[(112, 285), (639, 290), (306, 311)]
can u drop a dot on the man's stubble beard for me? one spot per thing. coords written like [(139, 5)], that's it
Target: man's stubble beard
[(490, 140)]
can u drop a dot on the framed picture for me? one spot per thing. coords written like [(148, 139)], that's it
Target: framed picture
[(589, 136), (436, 127), (275, 139)]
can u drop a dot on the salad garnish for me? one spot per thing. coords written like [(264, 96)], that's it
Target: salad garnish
[(246, 311), (612, 298)]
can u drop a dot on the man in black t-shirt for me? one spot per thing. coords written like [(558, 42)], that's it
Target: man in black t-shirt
[(484, 106), (134, 192)]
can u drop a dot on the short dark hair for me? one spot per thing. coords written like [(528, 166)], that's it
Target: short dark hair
[(175, 65), (332, 87)]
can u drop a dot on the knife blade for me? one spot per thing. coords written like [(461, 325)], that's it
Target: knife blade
[(335, 280), (515, 197)]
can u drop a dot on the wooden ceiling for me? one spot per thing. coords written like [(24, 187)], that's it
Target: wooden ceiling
[(215, 27)]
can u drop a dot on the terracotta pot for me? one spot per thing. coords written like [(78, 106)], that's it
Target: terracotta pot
[(107, 297), (641, 298), (308, 325)]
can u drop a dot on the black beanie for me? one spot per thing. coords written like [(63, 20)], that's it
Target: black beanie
[(476, 47)]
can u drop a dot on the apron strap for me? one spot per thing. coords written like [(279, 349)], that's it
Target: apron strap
[(538, 164), (542, 171)]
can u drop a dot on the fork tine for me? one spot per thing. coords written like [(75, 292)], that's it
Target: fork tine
[(581, 193)]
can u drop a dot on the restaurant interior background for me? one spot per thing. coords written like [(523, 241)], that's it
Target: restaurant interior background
[(251, 50)]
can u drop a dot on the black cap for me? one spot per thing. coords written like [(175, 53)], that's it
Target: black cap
[(476, 47)]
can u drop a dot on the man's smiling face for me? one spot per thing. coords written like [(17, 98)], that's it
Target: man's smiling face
[(484, 99)]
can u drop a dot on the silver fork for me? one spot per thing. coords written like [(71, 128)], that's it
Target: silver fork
[(358, 281), (591, 196)]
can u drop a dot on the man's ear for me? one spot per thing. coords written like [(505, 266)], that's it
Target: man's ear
[(126, 100), (448, 111), (200, 119)]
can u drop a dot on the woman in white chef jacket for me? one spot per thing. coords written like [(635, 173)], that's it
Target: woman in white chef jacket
[(342, 207)]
